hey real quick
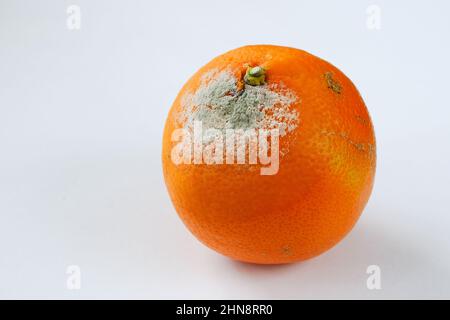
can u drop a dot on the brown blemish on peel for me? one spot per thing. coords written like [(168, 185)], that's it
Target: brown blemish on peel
[(332, 84), (364, 147), (367, 148), (361, 120), (287, 251)]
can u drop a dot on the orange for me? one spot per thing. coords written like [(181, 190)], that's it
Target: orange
[(326, 155)]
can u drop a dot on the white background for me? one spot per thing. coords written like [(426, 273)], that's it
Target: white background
[(81, 119)]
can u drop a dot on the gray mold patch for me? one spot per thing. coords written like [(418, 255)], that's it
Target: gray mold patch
[(219, 104)]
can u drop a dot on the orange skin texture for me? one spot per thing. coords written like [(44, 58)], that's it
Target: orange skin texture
[(323, 182)]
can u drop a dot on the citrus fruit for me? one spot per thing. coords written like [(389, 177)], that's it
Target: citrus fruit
[(269, 154)]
